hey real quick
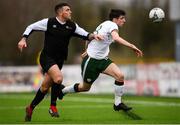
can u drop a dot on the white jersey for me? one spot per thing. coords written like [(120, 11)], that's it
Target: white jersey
[(100, 49)]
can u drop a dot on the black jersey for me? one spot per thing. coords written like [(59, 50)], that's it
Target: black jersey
[(57, 35), (57, 38)]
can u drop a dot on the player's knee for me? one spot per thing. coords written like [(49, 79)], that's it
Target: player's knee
[(58, 80), (44, 89)]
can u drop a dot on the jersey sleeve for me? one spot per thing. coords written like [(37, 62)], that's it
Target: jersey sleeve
[(112, 27), (81, 33), (37, 26)]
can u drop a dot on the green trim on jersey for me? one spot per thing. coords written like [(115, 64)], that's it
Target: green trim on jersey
[(91, 68)]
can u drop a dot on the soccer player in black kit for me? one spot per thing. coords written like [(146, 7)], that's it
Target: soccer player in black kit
[(58, 31)]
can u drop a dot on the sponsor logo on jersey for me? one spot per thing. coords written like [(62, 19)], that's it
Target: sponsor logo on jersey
[(67, 27)]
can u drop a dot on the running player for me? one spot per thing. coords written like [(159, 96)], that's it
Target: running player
[(96, 59), (58, 31)]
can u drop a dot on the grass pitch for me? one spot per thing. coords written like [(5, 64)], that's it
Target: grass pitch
[(91, 109)]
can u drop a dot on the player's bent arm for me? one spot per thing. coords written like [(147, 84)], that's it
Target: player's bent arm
[(117, 38), (37, 26), (84, 54)]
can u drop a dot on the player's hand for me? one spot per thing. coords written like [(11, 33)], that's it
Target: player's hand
[(137, 51), (98, 37), (22, 44), (84, 54)]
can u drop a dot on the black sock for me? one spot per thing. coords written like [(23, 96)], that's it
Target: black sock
[(37, 99), (76, 87), (55, 93), (119, 83)]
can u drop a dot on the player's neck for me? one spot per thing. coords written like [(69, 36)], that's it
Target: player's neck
[(61, 20)]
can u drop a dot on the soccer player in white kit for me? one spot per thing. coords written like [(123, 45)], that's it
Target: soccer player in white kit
[(96, 59)]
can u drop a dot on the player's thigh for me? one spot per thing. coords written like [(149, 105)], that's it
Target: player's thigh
[(55, 73), (114, 71)]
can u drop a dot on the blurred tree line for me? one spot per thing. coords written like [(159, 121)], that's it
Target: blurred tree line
[(155, 39)]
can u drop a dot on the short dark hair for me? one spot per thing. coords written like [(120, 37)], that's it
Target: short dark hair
[(59, 6), (115, 13)]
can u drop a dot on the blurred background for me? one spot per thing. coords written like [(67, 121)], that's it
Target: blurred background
[(156, 40), (159, 41)]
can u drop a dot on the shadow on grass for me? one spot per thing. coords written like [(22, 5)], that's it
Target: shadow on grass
[(132, 115)]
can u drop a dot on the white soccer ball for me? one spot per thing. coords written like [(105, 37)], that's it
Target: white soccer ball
[(156, 14)]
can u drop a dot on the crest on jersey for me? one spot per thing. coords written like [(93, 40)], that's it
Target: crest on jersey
[(54, 26), (88, 79)]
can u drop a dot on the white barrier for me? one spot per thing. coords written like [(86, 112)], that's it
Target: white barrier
[(153, 79)]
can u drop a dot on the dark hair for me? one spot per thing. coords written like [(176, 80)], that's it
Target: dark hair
[(59, 6), (115, 13)]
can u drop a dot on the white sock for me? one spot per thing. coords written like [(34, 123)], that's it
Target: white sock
[(117, 100), (68, 89), (118, 94)]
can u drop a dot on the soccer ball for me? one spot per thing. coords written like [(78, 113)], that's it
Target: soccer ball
[(156, 14)]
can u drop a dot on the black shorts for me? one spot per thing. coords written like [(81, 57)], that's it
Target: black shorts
[(48, 61)]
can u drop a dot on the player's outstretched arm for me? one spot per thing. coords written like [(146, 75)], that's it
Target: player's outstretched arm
[(120, 40), (95, 36), (22, 44), (137, 51)]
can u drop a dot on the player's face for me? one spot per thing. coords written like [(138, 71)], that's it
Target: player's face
[(121, 21), (66, 13)]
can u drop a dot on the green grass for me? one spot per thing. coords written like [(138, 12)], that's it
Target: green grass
[(91, 109)]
